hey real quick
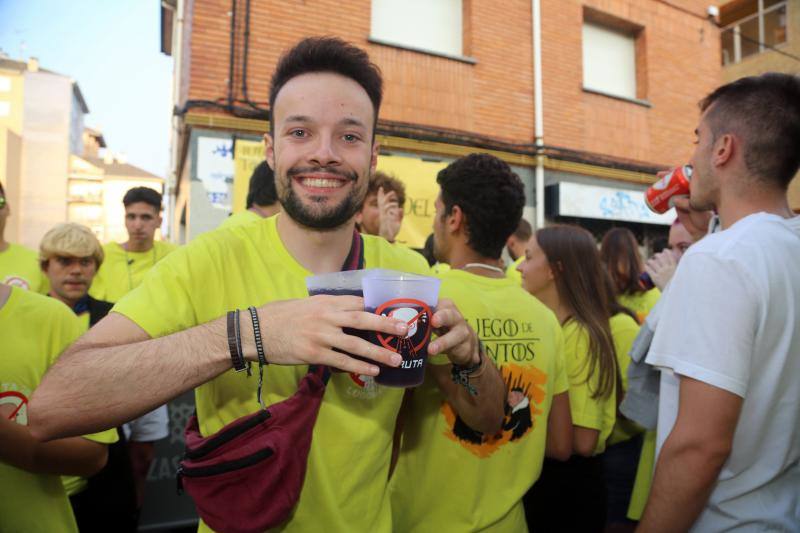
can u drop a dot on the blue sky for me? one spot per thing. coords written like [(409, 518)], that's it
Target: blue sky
[(111, 48)]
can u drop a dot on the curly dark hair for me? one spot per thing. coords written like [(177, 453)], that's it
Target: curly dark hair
[(490, 195), (389, 183), (327, 54)]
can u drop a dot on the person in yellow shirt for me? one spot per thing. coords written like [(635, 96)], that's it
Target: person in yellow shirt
[(70, 255), (170, 334), (522, 339), (563, 269), (515, 245), (624, 263), (262, 199), (19, 266), (35, 330), (624, 445), (127, 263), (123, 269)]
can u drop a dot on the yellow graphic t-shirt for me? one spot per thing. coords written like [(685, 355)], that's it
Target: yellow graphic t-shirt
[(34, 330), (19, 267), (593, 413), (513, 273), (624, 330), (123, 271), (240, 218), (641, 302), (346, 482), (450, 477)]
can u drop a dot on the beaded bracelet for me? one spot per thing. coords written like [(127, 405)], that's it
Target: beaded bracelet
[(262, 358)]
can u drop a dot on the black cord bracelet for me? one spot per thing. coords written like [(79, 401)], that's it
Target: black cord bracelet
[(461, 374)]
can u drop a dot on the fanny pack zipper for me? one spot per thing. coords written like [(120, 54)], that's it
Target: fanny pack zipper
[(214, 442), (222, 468)]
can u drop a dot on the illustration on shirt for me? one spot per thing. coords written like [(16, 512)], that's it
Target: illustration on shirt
[(362, 387), (14, 406), (525, 390)]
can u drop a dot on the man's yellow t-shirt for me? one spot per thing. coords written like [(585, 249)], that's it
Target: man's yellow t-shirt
[(593, 413), (452, 478), (640, 302), (123, 271), (19, 267), (34, 330), (345, 487), (240, 218), (624, 330), (512, 271)]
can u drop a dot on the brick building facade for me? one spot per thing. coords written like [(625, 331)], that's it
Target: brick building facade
[(608, 124)]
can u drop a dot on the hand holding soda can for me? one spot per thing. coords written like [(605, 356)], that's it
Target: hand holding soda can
[(659, 196)]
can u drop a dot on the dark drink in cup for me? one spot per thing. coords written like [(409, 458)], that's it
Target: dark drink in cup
[(409, 298), (366, 335), (402, 296)]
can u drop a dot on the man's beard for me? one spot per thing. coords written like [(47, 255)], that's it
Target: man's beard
[(323, 219)]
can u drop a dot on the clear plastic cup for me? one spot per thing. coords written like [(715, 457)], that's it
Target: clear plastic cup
[(410, 298)]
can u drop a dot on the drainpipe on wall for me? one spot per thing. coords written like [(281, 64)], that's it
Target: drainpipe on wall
[(538, 111), (172, 185)]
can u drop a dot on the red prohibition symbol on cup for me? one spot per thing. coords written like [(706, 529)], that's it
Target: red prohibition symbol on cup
[(416, 314)]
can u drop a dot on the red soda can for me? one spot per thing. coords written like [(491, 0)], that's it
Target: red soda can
[(660, 194)]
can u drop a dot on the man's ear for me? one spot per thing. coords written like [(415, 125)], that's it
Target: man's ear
[(725, 149), (456, 219), (269, 150), (44, 265)]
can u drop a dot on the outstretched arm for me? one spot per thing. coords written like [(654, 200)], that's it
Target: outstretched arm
[(116, 373), (74, 456)]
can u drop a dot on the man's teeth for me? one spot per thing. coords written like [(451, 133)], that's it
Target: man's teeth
[(322, 183)]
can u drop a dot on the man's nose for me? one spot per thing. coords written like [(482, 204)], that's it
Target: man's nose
[(324, 153)]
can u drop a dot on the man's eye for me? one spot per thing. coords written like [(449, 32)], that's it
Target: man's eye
[(350, 138), (298, 133)]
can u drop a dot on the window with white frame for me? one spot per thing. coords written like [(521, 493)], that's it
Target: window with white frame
[(609, 61), (427, 25), (751, 27)]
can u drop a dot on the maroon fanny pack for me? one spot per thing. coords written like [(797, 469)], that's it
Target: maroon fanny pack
[(248, 476)]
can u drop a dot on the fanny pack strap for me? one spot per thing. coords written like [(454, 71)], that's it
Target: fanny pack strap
[(355, 259), (322, 371)]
